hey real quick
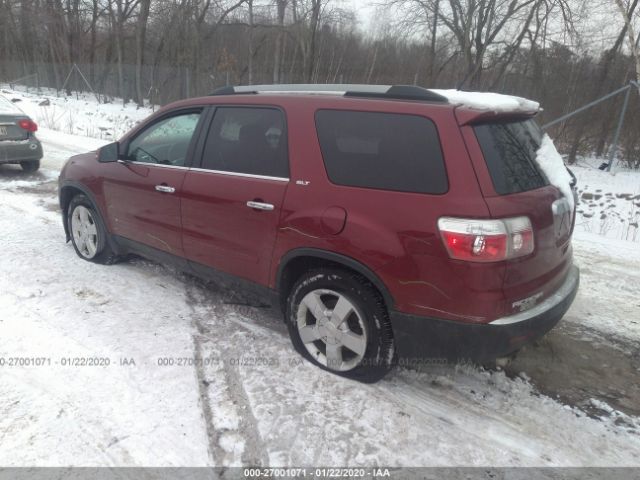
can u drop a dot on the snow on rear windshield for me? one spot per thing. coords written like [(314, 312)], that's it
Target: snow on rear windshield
[(551, 163)]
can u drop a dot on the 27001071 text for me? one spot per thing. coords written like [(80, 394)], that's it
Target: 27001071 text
[(316, 472), (25, 361)]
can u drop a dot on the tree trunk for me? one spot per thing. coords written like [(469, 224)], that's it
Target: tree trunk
[(316, 6), (141, 32), (250, 62), (633, 45), (277, 56)]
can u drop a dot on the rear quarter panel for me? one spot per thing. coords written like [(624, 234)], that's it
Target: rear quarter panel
[(393, 233)]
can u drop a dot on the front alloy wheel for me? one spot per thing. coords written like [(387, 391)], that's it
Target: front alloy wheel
[(84, 231), (87, 231)]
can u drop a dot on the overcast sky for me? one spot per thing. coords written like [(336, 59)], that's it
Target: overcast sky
[(599, 25), (364, 9)]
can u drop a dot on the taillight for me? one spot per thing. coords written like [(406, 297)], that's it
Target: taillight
[(486, 240), (28, 125)]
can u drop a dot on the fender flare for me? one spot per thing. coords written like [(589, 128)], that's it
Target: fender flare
[(344, 260), (89, 194)]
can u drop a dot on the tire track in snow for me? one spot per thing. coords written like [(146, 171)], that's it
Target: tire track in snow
[(205, 402), (234, 438)]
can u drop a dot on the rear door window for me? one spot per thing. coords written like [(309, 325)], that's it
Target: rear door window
[(247, 140), (509, 149), (381, 150)]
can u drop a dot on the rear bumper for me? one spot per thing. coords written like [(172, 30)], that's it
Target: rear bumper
[(20, 151), (421, 338)]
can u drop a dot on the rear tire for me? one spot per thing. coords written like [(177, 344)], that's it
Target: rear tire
[(30, 165), (88, 233), (338, 321)]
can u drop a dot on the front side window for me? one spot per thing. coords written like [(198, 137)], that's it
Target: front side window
[(248, 141), (165, 142), (510, 149), (382, 150)]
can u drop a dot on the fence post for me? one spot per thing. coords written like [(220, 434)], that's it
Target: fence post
[(585, 107), (187, 81), (616, 137)]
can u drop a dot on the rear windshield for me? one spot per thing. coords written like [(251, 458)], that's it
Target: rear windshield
[(509, 148)]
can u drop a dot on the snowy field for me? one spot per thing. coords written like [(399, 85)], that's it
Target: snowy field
[(609, 203), (238, 394), (78, 114)]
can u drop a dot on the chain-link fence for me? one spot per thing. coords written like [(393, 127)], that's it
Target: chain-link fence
[(158, 85)]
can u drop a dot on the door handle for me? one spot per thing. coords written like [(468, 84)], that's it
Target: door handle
[(260, 205), (165, 189)]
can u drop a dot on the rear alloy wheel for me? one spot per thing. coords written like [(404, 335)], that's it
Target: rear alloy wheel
[(30, 166), (338, 321), (88, 235), (332, 329)]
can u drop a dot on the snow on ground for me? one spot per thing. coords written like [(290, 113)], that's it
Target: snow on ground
[(609, 296), (608, 202), (77, 114), (236, 392), (7, 107), (54, 308), (607, 249)]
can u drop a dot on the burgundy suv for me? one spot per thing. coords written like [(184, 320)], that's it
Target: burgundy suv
[(389, 223)]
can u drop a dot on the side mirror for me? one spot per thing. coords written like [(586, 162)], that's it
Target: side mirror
[(109, 153)]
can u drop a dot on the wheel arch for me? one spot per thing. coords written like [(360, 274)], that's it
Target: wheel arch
[(68, 190), (296, 261)]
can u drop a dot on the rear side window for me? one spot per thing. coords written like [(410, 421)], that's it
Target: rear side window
[(381, 150), (248, 141), (509, 149)]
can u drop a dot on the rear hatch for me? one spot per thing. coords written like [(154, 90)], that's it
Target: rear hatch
[(9, 129), (10, 115), (504, 151)]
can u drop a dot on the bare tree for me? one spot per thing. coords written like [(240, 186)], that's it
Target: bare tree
[(476, 25), (281, 7), (627, 15), (141, 32)]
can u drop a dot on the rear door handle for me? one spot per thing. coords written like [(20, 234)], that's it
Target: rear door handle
[(165, 189), (260, 205)]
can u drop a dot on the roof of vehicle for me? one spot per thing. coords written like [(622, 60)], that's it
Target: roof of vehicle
[(486, 101), (469, 107)]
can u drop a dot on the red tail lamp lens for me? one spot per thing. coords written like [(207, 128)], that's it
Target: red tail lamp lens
[(476, 240), (28, 125)]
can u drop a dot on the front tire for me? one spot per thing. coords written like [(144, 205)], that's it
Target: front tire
[(30, 166), (88, 233), (338, 321)]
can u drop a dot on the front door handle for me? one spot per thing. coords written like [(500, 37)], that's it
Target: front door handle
[(260, 205), (165, 188)]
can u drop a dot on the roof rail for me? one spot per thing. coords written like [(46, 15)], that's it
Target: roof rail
[(395, 92)]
